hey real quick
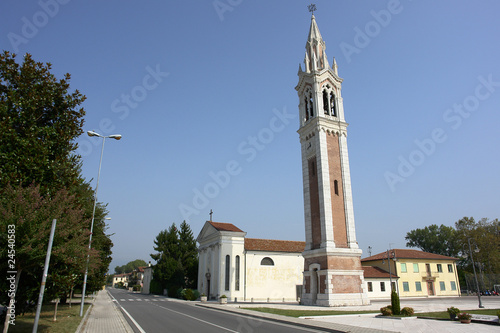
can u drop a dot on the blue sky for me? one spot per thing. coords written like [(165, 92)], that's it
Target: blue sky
[(193, 87)]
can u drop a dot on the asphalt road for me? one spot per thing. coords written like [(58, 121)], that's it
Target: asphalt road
[(152, 313)]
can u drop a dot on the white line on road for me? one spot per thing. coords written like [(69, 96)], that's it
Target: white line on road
[(203, 321), (128, 314)]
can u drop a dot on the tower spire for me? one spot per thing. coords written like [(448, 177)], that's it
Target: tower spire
[(315, 58)]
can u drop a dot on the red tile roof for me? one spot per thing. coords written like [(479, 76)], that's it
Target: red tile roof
[(254, 244), (376, 272), (409, 254), (225, 226)]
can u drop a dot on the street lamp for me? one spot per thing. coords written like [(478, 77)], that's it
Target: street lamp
[(116, 137), (475, 276)]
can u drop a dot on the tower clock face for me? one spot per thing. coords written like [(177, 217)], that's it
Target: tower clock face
[(310, 148)]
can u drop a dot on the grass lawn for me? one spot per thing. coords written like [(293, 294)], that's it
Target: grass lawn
[(444, 314), (307, 313), (68, 319), (304, 313)]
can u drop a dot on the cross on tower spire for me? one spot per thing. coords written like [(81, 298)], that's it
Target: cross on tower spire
[(312, 8)]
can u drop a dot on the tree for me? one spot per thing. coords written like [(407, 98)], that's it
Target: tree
[(176, 258), (484, 236), (130, 266), (39, 121), (31, 214), (433, 239), (40, 179), (189, 255)]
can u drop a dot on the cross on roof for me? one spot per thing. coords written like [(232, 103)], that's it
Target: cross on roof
[(312, 8)]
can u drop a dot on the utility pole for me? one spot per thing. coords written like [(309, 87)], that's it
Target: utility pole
[(475, 276), (44, 277)]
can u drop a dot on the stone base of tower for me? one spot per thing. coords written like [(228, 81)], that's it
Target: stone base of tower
[(333, 279)]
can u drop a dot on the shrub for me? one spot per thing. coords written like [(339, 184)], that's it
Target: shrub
[(155, 288), (453, 311), (407, 311), (223, 296), (498, 314), (136, 287), (196, 294), (464, 316), (396, 307), (189, 295), (386, 311), (172, 291)]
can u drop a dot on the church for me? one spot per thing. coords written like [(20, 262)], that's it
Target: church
[(326, 269)]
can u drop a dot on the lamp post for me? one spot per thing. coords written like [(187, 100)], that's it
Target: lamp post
[(475, 276), (116, 137)]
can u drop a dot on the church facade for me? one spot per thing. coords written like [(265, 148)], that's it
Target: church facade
[(248, 269)]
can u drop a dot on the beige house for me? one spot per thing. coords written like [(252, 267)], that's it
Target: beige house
[(420, 274), (124, 278), (248, 269)]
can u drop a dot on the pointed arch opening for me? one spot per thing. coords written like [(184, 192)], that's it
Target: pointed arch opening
[(326, 104), (333, 105)]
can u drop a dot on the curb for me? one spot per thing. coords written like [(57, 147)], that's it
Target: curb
[(84, 319)]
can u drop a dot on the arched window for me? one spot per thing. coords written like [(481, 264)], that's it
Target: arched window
[(306, 107), (267, 262), (326, 106), (333, 106), (237, 277), (228, 262), (311, 106)]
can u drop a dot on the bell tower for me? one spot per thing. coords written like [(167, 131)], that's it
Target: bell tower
[(332, 259)]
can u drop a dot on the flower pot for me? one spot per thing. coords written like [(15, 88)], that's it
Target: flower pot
[(465, 321), (452, 316), (223, 300), (203, 299)]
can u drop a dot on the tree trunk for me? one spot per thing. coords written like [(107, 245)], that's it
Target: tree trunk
[(70, 296), (55, 310), (7, 317)]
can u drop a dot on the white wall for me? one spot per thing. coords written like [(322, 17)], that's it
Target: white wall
[(273, 282)]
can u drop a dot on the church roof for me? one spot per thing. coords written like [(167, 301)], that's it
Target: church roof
[(409, 254), (271, 245), (376, 272), (225, 226)]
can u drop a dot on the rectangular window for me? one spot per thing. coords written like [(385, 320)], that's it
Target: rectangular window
[(442, 286), (226, 285), (406, 287), (440, 268), (418, 286), (382, 286), (453, 285), (415, 268), (403, 267), (237, 277), (370, 286), (450, 268)]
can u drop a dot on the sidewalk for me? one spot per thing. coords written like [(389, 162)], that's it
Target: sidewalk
[(104, 316)]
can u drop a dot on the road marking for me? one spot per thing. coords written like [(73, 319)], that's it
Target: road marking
[(130, 299), (203, 321), (122, 299), (128, 314)]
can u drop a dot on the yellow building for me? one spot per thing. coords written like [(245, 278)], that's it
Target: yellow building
[(421, 274)]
